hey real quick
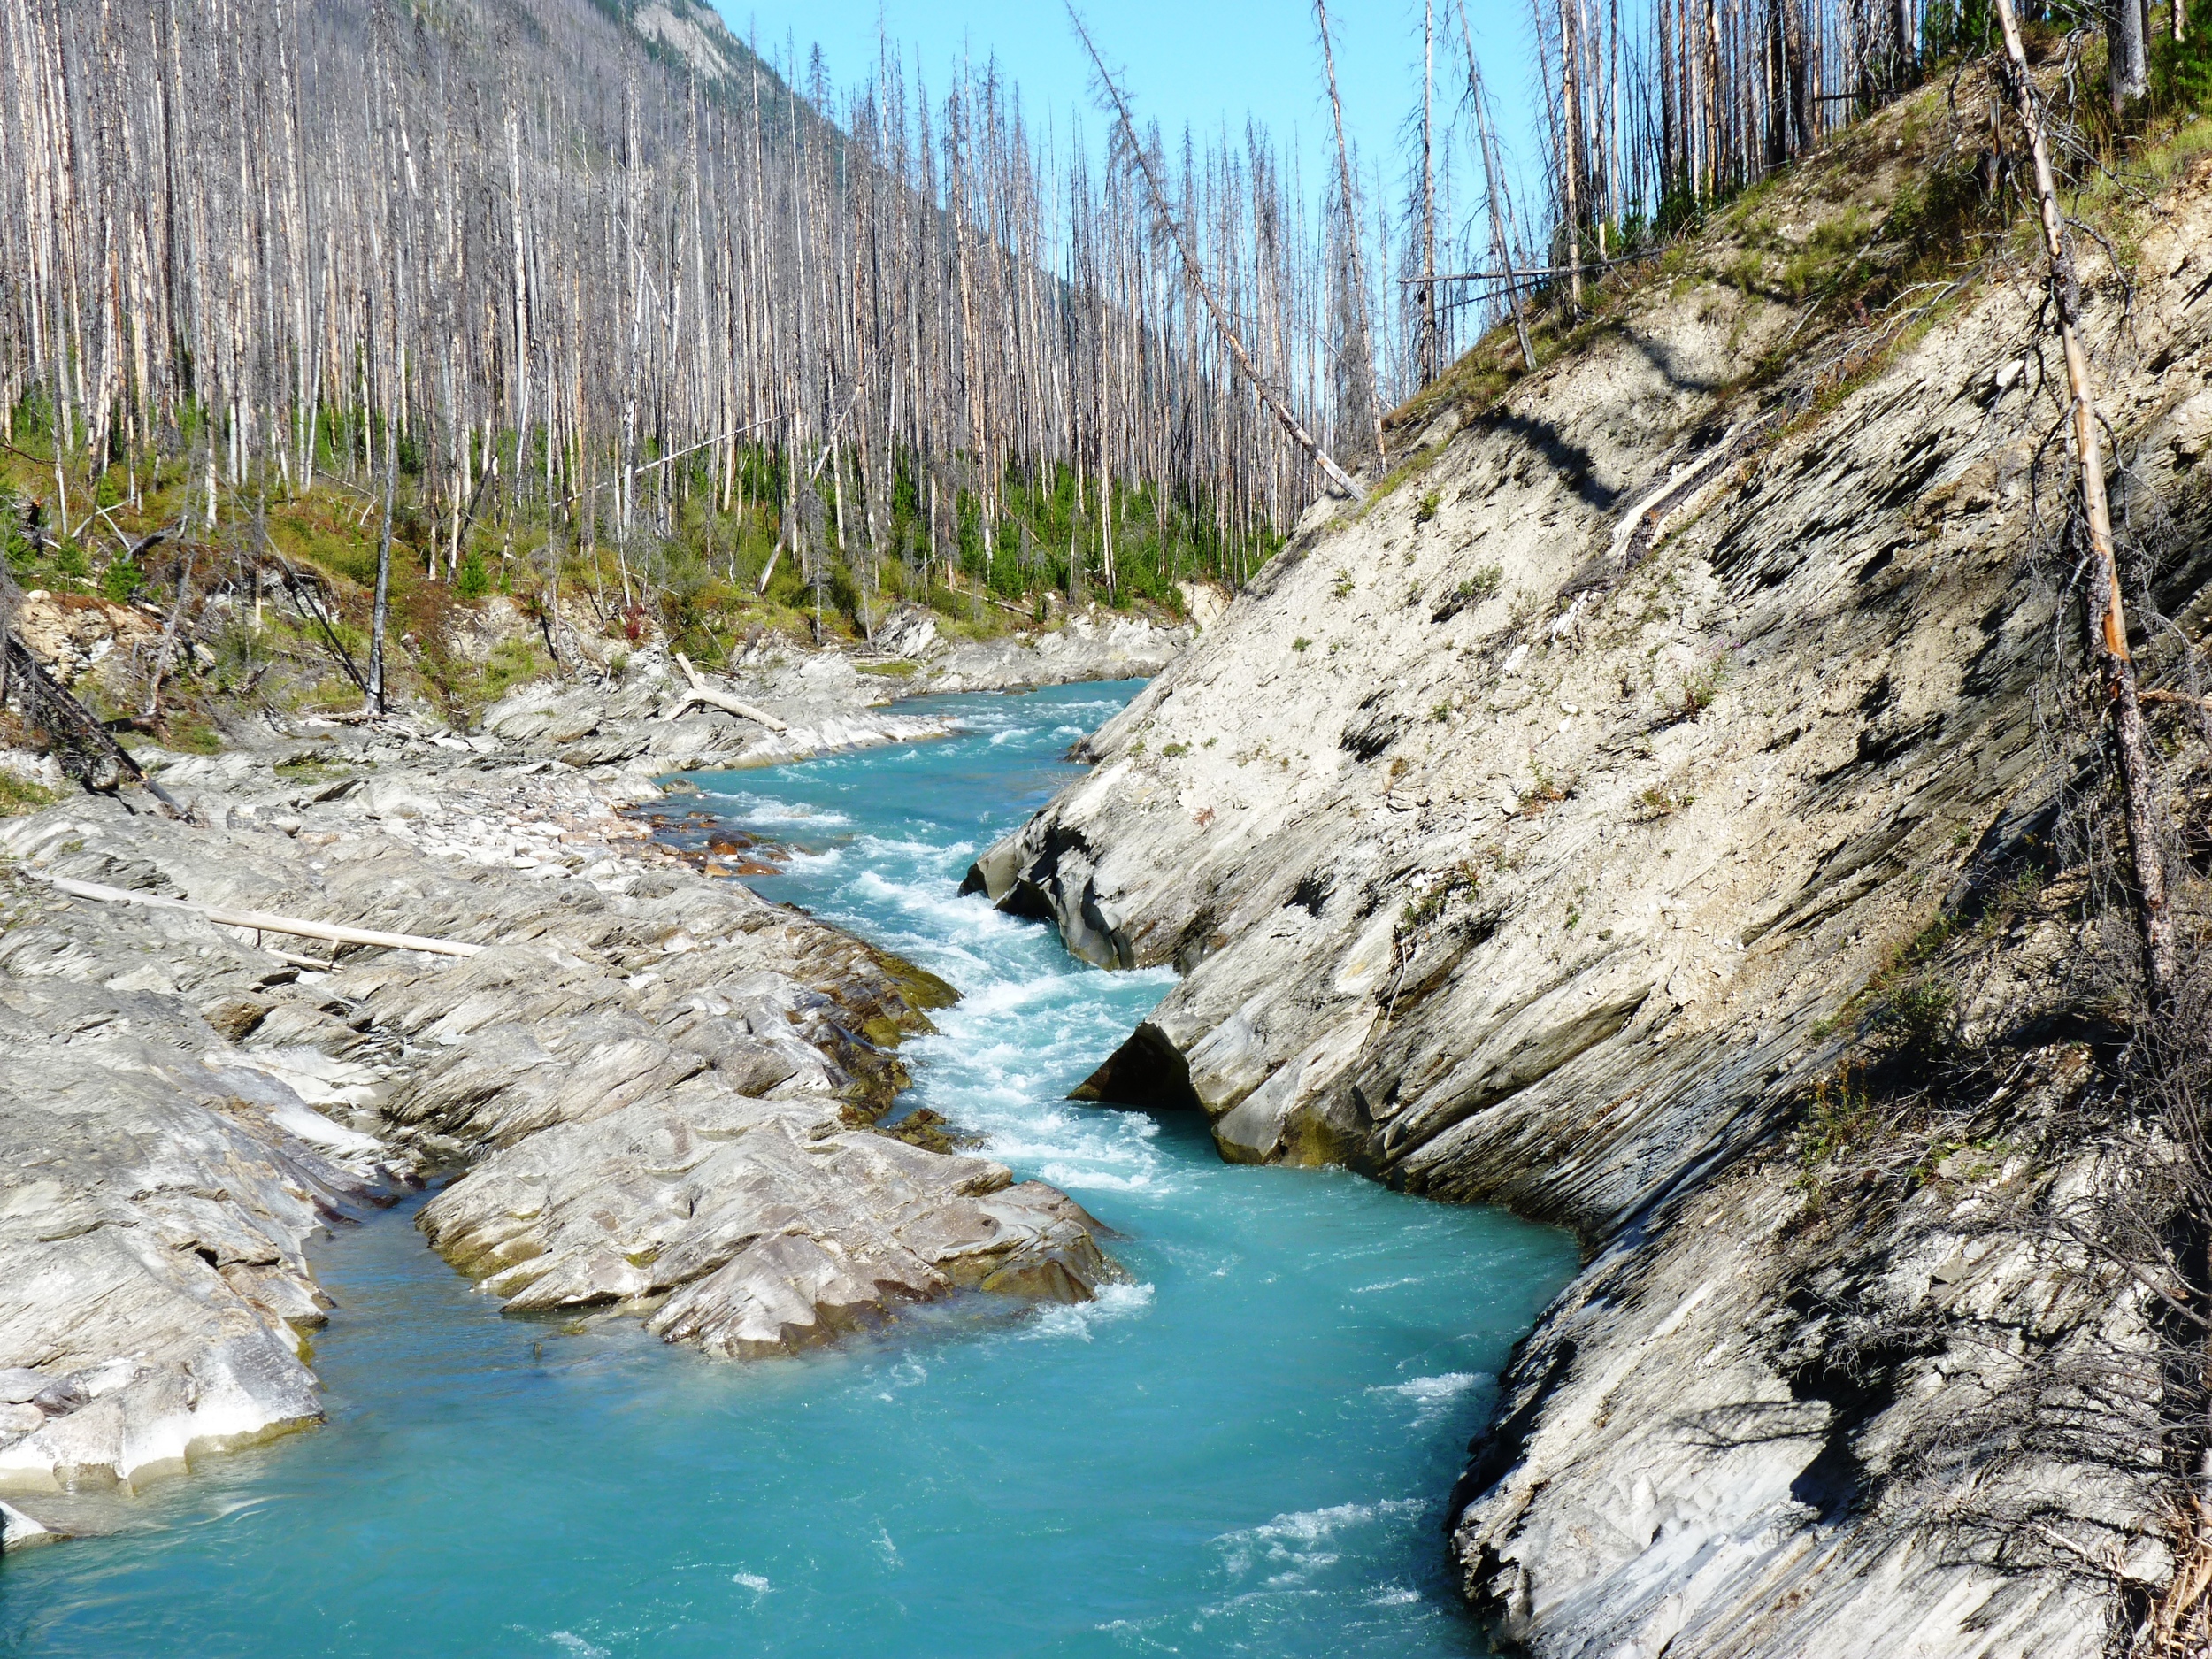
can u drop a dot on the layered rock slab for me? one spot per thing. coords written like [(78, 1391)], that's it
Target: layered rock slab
[(1524, 834), (161, 1187), (656, 1086)]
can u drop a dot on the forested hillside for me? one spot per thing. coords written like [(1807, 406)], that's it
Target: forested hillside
[(583, 285)]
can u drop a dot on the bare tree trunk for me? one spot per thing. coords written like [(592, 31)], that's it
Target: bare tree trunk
[(2152, 914), (1142, 159), (1570, 148), (1492, 183), (1431, 336), (382, 608), (151, 708), (1350, 209), (2126, 52)]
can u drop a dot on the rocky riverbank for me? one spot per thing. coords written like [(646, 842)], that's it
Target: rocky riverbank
[(656, 1087), (1558, 829)]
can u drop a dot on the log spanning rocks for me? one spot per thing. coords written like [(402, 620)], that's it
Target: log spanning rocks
[(1533, 835), (658, 1089)]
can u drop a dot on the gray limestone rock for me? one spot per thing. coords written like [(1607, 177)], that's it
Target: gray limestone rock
[(1521, 837), (656, 1085)]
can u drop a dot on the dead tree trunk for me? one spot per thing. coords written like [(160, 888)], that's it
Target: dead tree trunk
[(1492, 182), (1431, 331), (2126, 52), (150, 709), (1350, 209), (1571, 150), (2109, 634), (1230, 340)]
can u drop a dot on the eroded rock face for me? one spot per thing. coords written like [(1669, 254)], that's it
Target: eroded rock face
[(161, 1187), (656, 1085), (750, 1227), (1520, 835)]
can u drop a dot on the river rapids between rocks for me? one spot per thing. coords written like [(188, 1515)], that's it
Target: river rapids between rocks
[(1245, 1449)]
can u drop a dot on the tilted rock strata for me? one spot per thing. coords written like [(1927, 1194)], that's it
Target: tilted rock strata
[(653, 1081), (746, 1228), (161, 1185), (1738, 1441), (1508, 866)]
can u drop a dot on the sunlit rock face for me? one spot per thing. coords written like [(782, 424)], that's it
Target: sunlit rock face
[(1523, 833)]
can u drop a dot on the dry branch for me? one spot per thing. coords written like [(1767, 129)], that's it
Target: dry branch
[(700, 692), (262, 921)]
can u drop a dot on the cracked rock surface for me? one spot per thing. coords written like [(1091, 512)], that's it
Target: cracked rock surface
[(656, 1087), (1515, 849)]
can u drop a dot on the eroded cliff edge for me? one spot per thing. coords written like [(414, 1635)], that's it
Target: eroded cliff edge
[(1544, 833)]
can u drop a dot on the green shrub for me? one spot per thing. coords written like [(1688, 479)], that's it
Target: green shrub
[(472, 580), (1918, 1018), (2181, 71), (122, 580), (18, 795)]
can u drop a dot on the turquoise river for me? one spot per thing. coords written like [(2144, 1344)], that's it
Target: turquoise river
[(1245, 1450)]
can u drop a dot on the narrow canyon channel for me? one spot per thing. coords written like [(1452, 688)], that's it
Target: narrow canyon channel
[(1245, 1449)]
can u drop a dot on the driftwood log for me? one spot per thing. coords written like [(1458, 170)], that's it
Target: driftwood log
[(701, 692), (263, 921)]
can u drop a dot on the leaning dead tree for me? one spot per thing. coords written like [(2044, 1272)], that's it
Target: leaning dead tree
[(1140, 157), (1354, 340), (2109, 632)]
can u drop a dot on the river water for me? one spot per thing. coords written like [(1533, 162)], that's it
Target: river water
[(1243, 1451)]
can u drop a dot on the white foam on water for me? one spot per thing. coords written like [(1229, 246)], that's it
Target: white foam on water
[(1432, 1395), (1394, 1595), (754, 1582), (888, 846), (569, 1641), (1066, 1176), (761, 809), (908, 1374), (796, 861), (1077, 1319), (1290, 1545)]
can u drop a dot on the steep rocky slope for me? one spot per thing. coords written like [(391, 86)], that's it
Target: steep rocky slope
[(1531, 835)]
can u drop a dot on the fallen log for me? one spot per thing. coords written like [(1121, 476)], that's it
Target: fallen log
[(85, 747), (262, 921), (701, 692)]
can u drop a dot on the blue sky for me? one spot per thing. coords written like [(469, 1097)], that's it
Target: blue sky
[(1200, 62)]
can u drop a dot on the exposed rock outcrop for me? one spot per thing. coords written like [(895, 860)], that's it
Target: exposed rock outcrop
[(1524, 836), (656, 1087), (626, 723)]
